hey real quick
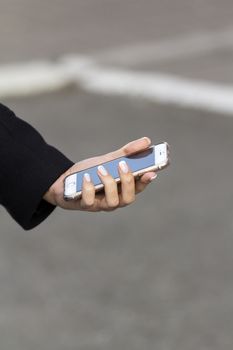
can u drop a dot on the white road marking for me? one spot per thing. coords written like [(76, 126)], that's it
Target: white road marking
[(87, 72), (160, 88), (31, 78), (40, 77)]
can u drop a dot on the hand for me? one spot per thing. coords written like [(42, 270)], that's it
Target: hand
[(112, 197)]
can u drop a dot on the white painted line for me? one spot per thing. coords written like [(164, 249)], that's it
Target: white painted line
[(161, 88), (40, 77), (87, 72), (167, 50), (31, 78)]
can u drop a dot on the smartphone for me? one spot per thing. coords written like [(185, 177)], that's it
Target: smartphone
[(154, 158)]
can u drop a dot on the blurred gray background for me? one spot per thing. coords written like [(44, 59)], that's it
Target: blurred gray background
[(157, 274)]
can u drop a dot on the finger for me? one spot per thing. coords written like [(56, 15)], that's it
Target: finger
[(148, 177), (110, 187), (88, 192), (127, 184), (130, 148), (144, 181), (136, 146)]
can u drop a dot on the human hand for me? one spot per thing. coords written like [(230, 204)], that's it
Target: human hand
[(112, 197)]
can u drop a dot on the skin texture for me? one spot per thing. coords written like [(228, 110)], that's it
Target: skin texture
[(114, 196)]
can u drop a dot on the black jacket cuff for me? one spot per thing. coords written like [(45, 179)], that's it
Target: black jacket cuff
[(28, 167)]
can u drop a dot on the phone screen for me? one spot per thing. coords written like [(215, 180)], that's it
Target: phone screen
[(135, 162)]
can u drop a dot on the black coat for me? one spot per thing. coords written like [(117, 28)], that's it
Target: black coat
[(28, 167)]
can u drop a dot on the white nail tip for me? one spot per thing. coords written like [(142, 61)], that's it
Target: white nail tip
[(87, 177), (153, 177), (124, 166), (102, 170)]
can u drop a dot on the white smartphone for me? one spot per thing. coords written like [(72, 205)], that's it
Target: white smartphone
[(153, 159)]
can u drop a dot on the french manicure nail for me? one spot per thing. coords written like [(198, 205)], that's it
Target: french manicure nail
[(146, 138), (153, 177), (87, 177), (102, 170), (124, 167)]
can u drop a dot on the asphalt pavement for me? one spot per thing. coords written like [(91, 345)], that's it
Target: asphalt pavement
[(154, 275)]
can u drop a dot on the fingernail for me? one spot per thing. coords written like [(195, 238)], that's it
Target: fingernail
[(146, 138), (153, 177), (102, 170), (124, 166), (87, 177)]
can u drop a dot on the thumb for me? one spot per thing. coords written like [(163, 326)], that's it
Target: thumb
[(136, 146), (130, 148)]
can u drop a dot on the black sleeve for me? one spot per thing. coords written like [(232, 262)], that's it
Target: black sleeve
[(28, 167)]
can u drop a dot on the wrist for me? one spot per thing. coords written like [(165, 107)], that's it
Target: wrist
[(54, 195), (50, 195)]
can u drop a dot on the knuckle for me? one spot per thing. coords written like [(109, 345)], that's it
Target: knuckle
[(88, 187), (111, 193), (129, 200), (87, 204), (90, 202), (110, 187), (129, 180), (113, 203), (88, 191), (109, 181)]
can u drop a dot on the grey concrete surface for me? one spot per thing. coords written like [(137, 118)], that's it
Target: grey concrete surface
[(199, 67), (34, 29), (157, 274)]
